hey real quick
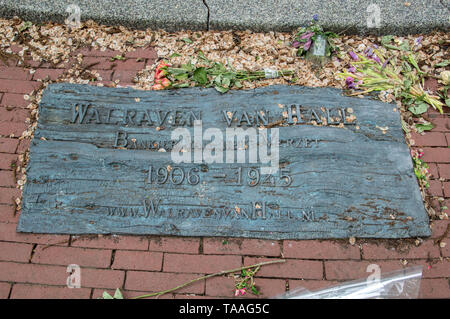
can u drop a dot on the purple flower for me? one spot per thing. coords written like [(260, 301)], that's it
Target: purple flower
[(316, 17), (369, 52), (375, 58), (351, 69), (306, 35), (296, 44), (418, 40), (353, 55), (349, 81), (307, 45), (386, 62)]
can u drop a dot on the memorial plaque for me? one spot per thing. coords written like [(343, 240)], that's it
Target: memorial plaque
[(280, 162)]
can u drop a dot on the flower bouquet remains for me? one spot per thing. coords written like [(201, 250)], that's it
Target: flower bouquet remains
[(306, 38), (208, 74), (375, 71)]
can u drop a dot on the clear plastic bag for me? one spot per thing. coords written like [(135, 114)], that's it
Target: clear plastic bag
[(400, 284)]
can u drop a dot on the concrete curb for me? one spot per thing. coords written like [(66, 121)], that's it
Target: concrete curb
[(420, 16)]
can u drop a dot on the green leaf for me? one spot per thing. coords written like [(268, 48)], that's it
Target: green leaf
[(226, 82), (180, 85), (181, 76), (187, 40), (418, 108), (424, 127), (200, 76), (118, 294), (442, 64), (238, 84), (255, 291), (221, 89), (25, 26), (174, 55), (447, 101), (107, 295), (202, 56), (117, 57)]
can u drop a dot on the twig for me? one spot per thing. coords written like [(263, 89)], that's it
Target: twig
[(223, 272)]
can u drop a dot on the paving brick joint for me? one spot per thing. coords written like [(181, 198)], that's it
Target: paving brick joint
[(35, 265)]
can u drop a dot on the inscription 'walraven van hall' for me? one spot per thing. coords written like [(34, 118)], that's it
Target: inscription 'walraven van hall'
[(100, 162)]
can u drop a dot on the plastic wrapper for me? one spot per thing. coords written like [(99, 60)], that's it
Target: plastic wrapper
[(400, 284)]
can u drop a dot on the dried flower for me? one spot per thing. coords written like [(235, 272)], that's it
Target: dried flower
[(353, 55)]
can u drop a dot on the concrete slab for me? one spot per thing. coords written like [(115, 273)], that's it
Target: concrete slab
[(170, 15)]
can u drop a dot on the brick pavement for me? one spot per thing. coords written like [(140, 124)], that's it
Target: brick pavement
[(34, 266)]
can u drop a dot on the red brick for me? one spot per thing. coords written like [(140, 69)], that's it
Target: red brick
[(446, 189), (379, 251), (7, 179), (436, 155), (429, 139), (24, 145), (435, 188), (433, 169), (33, 273), (13, 115), (97, 53), (105, 75), (159, 281), (18, 86), (433, 268), (11, 99), (175, 244), (225, 287), (8, 214), (434, 288), (446, 249), (104, 63), (255, 247), (292, 268), (14, 128), (439, 227), (111, 242), (10, 62), (4, 290), (124, 76), (315, 249), (192, 296), (15, 252), (8, 161), (8, 145), (441, 124), (447, 136), (8, 233), (57, 255), (52, 74), (137, 260), (102, 278), (444, 170), (128, 294), (146, 53), (25, 291), (15, 73), (346, 270), (295, 286), (129, 64), (9, 195), (199, 263)]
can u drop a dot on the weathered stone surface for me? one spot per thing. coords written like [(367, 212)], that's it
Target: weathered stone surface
[(334, 182)]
